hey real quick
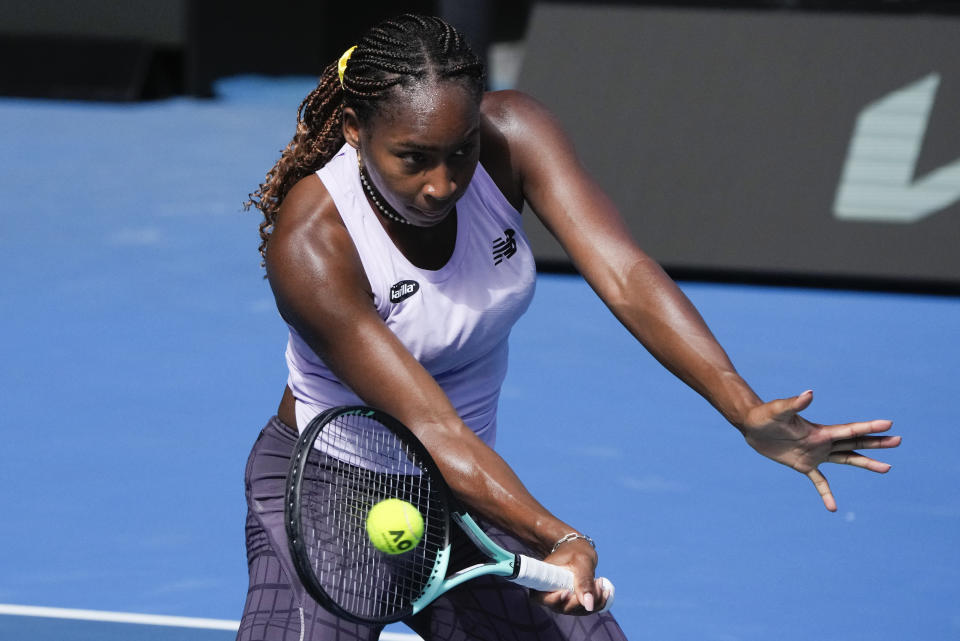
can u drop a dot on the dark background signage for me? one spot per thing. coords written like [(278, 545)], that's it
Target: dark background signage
[(763, 143), (804, 140)]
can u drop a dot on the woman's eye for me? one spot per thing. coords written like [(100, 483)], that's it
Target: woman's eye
[(413, 158), (466, 150)]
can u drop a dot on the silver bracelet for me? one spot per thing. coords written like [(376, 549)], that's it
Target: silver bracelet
[(573, 536)]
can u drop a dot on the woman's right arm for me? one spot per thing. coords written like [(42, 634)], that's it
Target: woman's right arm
[(322, 291)]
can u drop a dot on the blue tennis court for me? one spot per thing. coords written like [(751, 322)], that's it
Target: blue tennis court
[(142, 354), (49, 629)]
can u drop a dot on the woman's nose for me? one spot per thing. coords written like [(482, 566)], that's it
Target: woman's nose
[(441, 184)]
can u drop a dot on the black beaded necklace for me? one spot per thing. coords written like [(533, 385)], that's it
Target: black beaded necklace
[(382, 205)]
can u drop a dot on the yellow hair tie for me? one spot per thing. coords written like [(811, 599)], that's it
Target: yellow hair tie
[(342, 63)]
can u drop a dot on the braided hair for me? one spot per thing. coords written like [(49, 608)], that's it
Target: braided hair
[(397, 53)]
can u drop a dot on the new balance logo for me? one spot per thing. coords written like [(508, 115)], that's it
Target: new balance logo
[(403, 290), (504, 248)]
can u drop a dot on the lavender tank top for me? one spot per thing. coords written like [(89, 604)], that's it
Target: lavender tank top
[(455, 320)]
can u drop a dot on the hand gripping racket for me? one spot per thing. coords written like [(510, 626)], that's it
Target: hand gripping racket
[(347, 460)]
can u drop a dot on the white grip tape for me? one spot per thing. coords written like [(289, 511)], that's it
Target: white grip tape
[(546, 577)]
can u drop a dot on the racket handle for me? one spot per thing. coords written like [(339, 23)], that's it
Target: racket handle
[(546, 577), (539, 575)]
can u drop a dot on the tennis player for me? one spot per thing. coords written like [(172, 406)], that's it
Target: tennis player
[(394, 245)]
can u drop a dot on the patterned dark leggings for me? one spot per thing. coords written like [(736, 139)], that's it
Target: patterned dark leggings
[(278, 608)]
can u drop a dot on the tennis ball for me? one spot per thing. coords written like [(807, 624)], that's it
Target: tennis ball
[(394, 526)]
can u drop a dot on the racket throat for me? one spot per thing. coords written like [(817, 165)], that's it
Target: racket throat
[(480, 539), (504, 560), (502, 563)]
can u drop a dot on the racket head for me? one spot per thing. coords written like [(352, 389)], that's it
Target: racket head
[(346, 460)]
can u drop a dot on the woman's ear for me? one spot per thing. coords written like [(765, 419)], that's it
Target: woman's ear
[(351, 127)]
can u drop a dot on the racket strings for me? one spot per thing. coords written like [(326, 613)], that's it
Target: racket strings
[(355, 464)]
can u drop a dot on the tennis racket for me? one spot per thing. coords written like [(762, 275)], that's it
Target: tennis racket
[(347, 460)]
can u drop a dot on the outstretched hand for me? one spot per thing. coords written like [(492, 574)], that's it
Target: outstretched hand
[(777, 431)]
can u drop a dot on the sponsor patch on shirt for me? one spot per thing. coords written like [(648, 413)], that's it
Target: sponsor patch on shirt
[(403, 290)]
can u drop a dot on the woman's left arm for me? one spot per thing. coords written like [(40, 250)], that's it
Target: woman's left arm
[(650, 305)]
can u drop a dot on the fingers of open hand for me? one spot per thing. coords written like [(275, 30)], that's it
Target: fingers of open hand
[(866, 443), (859, 460), (785, 408), (848, 431), (854, 436), (820, 482)]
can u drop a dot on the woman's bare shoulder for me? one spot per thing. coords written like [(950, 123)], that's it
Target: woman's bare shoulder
[(507, 117), (510, 107), (308, 227)]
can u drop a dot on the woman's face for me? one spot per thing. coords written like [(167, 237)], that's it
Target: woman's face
[(421, 149)]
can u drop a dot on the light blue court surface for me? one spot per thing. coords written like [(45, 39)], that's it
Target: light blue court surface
[(54, 629), (142, 354)]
